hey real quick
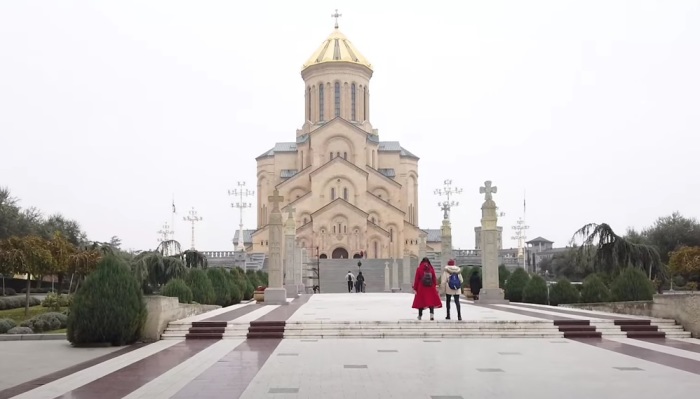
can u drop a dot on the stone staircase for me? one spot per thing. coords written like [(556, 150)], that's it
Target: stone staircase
[(422, 329), (623, 328)]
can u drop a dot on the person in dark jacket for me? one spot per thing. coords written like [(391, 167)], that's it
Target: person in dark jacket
[(475, 284), (360, 283)]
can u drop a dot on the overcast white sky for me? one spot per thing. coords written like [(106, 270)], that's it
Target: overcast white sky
[(108, 108)]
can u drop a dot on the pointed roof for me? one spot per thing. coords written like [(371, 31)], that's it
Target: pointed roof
[(337, 48), (539, 239)]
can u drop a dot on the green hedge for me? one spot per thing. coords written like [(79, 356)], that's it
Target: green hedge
[(516, 285), (46, 322), (177, 288), (57, 301), (18, 301), (594, 290), (109, 307), (536, 291), (632, 285), (6, 325), (201, 286), (563, 292)]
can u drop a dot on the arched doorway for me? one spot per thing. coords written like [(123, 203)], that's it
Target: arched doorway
[(357, 256), (340, 253), (323, 256)]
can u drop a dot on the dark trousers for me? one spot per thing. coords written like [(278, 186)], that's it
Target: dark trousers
[(457, 305), (349, 286), (420, 311)]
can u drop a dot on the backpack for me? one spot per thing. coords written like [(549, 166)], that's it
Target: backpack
[(454, 282), (428, 277), (349, 278)]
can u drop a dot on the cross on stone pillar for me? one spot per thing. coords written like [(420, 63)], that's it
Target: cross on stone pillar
[(488, 190), (275, 199), (275, 294)]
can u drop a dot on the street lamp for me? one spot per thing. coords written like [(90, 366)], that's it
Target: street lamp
[(318, 268), (447, 191), (241, 192)]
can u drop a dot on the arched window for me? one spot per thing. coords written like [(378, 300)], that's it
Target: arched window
[(337, 154), (334, 229), (345, 155), (373, 220), (308, 103), (337, 98), (376, 250), (345, 229), (331, 155), (353, 96), (345, 193), (305, 221), (332, 193), (320, 102), (364, 109), (391, 233)]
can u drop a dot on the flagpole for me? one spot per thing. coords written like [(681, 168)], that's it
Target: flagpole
[(172, 219)]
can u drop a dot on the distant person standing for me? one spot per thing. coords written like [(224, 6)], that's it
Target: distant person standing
[(475, 284), (425, 286), (451, 281), (351, 280), (360, 283)]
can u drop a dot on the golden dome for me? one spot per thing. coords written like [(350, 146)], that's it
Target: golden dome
[(337, 48)]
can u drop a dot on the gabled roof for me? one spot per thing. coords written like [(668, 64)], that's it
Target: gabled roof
[(370, 195), (395, 146), (538, 240), (284, 208), (336, 160), (382, 176), (286, 146), (302, 172), (434, 235), (339, 202)]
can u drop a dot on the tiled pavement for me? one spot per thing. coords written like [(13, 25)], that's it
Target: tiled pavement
[(385, 368)]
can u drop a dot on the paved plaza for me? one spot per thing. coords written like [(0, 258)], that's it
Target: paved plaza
[(466, 367)]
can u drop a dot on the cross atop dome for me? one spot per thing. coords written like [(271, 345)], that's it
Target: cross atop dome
[(336, 16)]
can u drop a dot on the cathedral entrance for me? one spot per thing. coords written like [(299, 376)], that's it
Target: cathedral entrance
[(340, 253), (357, 256)]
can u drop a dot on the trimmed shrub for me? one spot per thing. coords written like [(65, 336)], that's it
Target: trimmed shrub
[(249, 289), (18, 301), (594, 290), (56, 301), (109, 307), (20, 330), (6, 325), (262, 277), (235, 287), (536, 291), (253, 278), (516, 284), (503, 275), (632, 285), (46, 322), (563, 292), (202, 289), (221, 284), (7, 291), (177, 288)]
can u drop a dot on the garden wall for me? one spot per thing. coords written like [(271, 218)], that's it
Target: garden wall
[(162, 310), (683, 308)]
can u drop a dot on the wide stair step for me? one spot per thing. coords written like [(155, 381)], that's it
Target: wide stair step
[(206, 330), (577, 329), (639, 328), (266, 329)]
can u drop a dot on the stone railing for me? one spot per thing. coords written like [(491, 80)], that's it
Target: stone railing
[(162, 310), (683, 308)]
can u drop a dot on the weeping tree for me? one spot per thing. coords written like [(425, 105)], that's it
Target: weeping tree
[(195, 259), (612, 253), (154, 269)]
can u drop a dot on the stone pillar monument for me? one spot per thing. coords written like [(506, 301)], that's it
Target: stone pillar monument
[(298, 267), (307, 273), (290, 252), (275, 294), (490, 292), (406, 282), (394, 276), (387, 277), (446, 245), (422, 246)]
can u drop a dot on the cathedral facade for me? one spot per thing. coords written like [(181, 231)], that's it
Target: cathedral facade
[(352, 195)]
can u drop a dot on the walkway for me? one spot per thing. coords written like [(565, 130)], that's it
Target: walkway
[(385, 368)]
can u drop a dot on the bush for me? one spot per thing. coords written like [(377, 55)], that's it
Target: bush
[(222, 286), (16, 302), (202, 289), (236, 284), (43, 290), (179, 289), (516, 284), (594, 290), (536, 291), (46, 322), (109, 308), (632, 285), (249, 289), (20, 330), (253, 278), (503, 275), (56, 301), (7, 291), (563, 292), (262, 277), (6, 325)]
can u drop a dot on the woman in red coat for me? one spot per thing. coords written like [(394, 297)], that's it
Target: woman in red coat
[(425, 287)]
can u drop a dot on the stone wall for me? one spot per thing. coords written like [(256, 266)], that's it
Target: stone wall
[(683, 308), (162, 310)]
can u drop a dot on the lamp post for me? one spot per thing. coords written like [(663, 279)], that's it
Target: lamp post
[(318, 268), (241, 192), (164, 233), (447, 191), (193, 218), (520, 236)]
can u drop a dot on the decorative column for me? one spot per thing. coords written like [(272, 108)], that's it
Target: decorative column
[(446, 243), (289, 252), (298, 267), (406, 282), (387, 277), (422, 246), (275, 294), (490, 292), (394, 276)]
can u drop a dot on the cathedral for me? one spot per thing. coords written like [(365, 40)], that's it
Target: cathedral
[(352, 195)]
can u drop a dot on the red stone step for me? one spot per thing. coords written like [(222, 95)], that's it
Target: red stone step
[(268, 323), (572, 322), (632, 322), (204, 336), (646, 334), (214, 330), (638, 328), (576, 328), (266, 329), (582, 334), (258, 335), (222, 324)]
